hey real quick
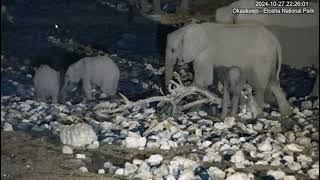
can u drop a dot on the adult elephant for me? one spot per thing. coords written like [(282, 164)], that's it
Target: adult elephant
[(251, 47), (298, 33)]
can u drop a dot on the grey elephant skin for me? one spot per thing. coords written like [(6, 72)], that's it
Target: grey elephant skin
[(233, 83), (298, 33), (253, 48), (98, 71), (47, 84)]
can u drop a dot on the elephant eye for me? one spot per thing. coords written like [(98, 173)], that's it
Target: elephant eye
[(172, 50)]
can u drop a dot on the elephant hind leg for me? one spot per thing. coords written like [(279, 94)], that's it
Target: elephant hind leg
[(86, 85), (280, 96)]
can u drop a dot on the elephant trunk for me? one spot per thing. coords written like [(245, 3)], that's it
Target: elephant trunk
[(170, 62)]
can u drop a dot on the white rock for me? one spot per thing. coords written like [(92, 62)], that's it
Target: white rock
[(304, 160), (119, 172), (7, 127), (289, 159), (212, 156), (276, 174), (137, 161), (101, 171), (307, 112), (187, 174), (153, 145), (306, 105), (80, 156), (145, 175), (230, 121), (170, 177), (206, 144), (78, 135), (281, 138), (216, 173), (289, 178), (94, 145), (294, 166), (135, 142), (238, 176), (202, 113), (184, 163), (107, 165), (107, 126), (275, 114), (265, 146), (144, 167), (313, 173), (83, 169), (292, 99), (154, 159), (67, 150), (294, 147), (161, 171), (238, 157), (130, 169), (276, 162)]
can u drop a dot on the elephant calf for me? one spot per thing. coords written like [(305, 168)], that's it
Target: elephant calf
[(47, 84), (233, 83), (98, 71)]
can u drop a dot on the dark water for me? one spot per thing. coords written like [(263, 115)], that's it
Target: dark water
[(85, 21)]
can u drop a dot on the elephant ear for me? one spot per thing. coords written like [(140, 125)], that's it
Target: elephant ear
[(194, 42)]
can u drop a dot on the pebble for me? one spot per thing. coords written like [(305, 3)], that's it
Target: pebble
[(216, 173), (294, 148), (289, 178), (275, 114), (238, 176), (306, 105), (83, 169), (307, 112), (135, 142), (154, 159), (294, 166), (313, 173), (187, 174), (276, 174), (67, 150), (130, 169), (265, 146), (7, 127), (101, 171), (80, 156), (119, 172)]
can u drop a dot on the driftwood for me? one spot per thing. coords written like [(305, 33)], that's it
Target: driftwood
[(177, 92)]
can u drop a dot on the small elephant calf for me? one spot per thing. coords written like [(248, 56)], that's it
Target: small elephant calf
[(47, 84), (98, 71), (232, 85)]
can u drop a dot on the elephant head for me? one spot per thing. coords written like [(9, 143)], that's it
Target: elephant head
[(184, 46), (72, 77), (173, 53)]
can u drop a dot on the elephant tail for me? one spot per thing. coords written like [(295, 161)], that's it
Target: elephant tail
[(279, 60)]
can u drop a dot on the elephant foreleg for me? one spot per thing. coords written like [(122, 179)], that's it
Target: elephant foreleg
[(235, 103), (87, 89), (226, 101), (203, 73)]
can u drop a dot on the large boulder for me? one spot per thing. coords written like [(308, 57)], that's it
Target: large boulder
[(78, 135)]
